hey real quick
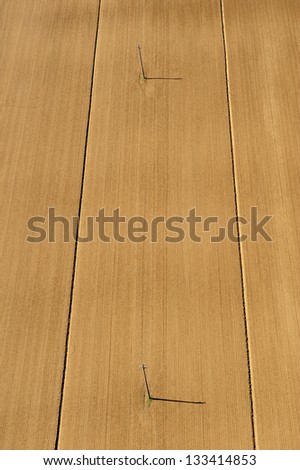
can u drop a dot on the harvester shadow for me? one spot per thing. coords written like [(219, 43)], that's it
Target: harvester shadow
[(152, 398), (144, 76)]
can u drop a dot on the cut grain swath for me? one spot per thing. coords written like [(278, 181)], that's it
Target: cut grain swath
[(158, 147), (263, 61), (46, 65)]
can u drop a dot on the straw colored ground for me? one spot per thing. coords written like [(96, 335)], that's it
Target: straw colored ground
[(82, 130)]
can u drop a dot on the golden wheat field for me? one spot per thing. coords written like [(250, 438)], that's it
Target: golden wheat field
[(151, 125)]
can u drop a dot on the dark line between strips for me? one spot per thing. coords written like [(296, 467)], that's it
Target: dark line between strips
[(237, 224), (76, 239)]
